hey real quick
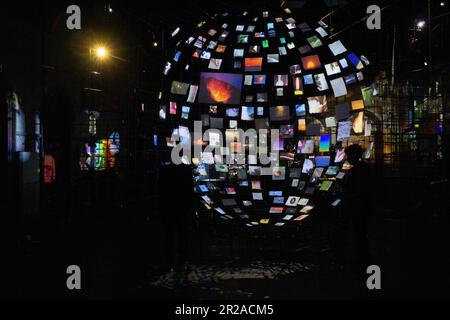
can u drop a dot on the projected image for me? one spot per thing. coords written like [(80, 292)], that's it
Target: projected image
[(279, 113), (278, 145), (314, 41), (322, 161), (339, 87), (365, 60), (301, 126), (254, 49), (223, 36), (173, 107), (232, 112), (357, 104), (261, 97), (196, 54), (205, 55), (317, 104), (248, 80), (278, 173), (350, 79), (311, 62), (242, 38), (330, 122), (259, 112), (344, 128), (326, 185), (224, 88), (321, 82), (221, 48), (355, 60), (295, 69), (273, 58), (185, 112), (162, 112), (192, 93), (281, 80), (317, 173), (300, 110), (308, 166), (253, 64), (340, 155), (305, 147), (323, 33), (304, 49), (185, 136), (287, 131), (213, 109), (325, 142), (332, 68), (259, 79), (358, 123), (248, 113), (332, 171), (289, 76), (215, 64), (298, 86), (337, 48), (238, 53), (179, 88), (368, 96), (343, 62), (308, 79)]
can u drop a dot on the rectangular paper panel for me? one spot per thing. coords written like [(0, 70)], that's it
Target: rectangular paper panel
[(339, 87), (344, 128)]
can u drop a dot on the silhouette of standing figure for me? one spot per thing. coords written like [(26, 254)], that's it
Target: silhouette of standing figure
[(176, 206), (357, 195)]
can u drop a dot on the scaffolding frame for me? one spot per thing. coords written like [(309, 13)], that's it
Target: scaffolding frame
[(412, 129)]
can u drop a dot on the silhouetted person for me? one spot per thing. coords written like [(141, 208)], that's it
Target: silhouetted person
[(357, 196), (176, 206)]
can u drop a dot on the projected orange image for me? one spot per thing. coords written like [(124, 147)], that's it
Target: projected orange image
[(223, 88), (218, 90), (311, 62)]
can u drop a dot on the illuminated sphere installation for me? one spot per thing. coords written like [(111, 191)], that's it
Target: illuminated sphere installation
[(266, 71)]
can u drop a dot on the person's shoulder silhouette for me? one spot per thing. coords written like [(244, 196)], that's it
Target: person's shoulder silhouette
[(358, 183), (175, 187)]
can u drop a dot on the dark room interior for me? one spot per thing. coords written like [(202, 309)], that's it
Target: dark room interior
[(225, 150)]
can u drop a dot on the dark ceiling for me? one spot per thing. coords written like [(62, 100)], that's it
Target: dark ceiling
[(35, 33)]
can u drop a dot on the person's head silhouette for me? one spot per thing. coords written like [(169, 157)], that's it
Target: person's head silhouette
[(354, 154)]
